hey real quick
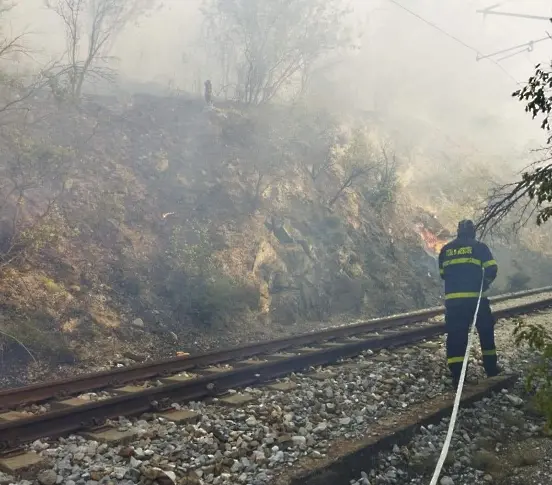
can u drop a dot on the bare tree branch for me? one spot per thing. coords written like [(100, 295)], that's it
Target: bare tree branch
[(267, 45), (356, 173), (91, 26), (518, 202), (532, 194)]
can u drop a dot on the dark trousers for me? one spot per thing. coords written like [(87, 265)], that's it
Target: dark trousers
[(458, 319)]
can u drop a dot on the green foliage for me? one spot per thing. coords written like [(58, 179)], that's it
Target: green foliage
[(109, 207), (539, 379), (538, 95), (538, 186), (38, 335), (33, 165), (197, 285), (219, 300), (535, 186), (52, 286)]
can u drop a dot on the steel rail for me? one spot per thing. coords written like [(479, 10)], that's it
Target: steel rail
[(520, 294), (57, 423), (59, 389), (117, 377)]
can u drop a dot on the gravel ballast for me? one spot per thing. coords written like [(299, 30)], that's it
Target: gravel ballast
[(481, 451), (252, 444), (501, 439)]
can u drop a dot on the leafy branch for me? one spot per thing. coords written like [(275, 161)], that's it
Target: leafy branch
[(539, 378)]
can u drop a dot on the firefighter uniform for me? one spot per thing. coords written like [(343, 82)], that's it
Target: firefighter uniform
[(463, 264)]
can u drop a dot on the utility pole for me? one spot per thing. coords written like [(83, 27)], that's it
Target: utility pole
[(512, 51), (491, 11)]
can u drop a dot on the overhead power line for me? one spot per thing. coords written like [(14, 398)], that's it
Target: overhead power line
[(453, 37), (431, 24), (513, 51)]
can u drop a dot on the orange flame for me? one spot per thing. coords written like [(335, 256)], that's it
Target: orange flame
[(433, 243)]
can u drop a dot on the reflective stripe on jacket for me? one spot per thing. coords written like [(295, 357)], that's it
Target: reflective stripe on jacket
[(461, 264)]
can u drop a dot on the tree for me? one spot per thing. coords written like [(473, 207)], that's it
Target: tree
[(10, 46), (519, 201), (383, 192), (262, 47), (532, 195), (357, 161), (16, 88), (91, 27)]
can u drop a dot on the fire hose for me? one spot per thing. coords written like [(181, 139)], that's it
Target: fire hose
[(452, 423)]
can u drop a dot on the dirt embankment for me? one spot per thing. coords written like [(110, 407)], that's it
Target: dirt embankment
[(158, 225)]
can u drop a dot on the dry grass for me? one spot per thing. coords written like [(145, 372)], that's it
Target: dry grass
[(111, 263)]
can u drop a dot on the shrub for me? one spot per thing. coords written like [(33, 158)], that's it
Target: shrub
[(26, 339), (51, 286), (382, 193), (539, 378), (210, 300), (198, 287), (519, 281), (49, 230), (221, 300)]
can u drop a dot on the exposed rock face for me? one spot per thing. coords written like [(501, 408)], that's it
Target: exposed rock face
[(178, 223), (316, 266), (194, 212)]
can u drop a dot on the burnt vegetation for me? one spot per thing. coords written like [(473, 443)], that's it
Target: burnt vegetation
[(234, 212), (248, 207)]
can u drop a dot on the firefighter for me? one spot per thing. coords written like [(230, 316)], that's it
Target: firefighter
[(208, 94), (467, 265)]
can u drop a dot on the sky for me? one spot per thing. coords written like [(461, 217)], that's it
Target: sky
[(424, 70), (408, 63)]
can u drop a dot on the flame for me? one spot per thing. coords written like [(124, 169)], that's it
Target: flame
[(433, 243)]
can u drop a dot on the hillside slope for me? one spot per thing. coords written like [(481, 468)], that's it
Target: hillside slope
[(159, 225)]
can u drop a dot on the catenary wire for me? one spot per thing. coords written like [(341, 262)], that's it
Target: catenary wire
[(453, 37)]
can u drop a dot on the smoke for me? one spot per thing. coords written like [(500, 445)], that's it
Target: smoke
[(416, 64), (410, 69)]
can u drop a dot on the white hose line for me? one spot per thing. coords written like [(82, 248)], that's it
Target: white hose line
[(446, 445)]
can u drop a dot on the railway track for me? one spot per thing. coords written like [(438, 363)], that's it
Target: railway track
[(213, 373)]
